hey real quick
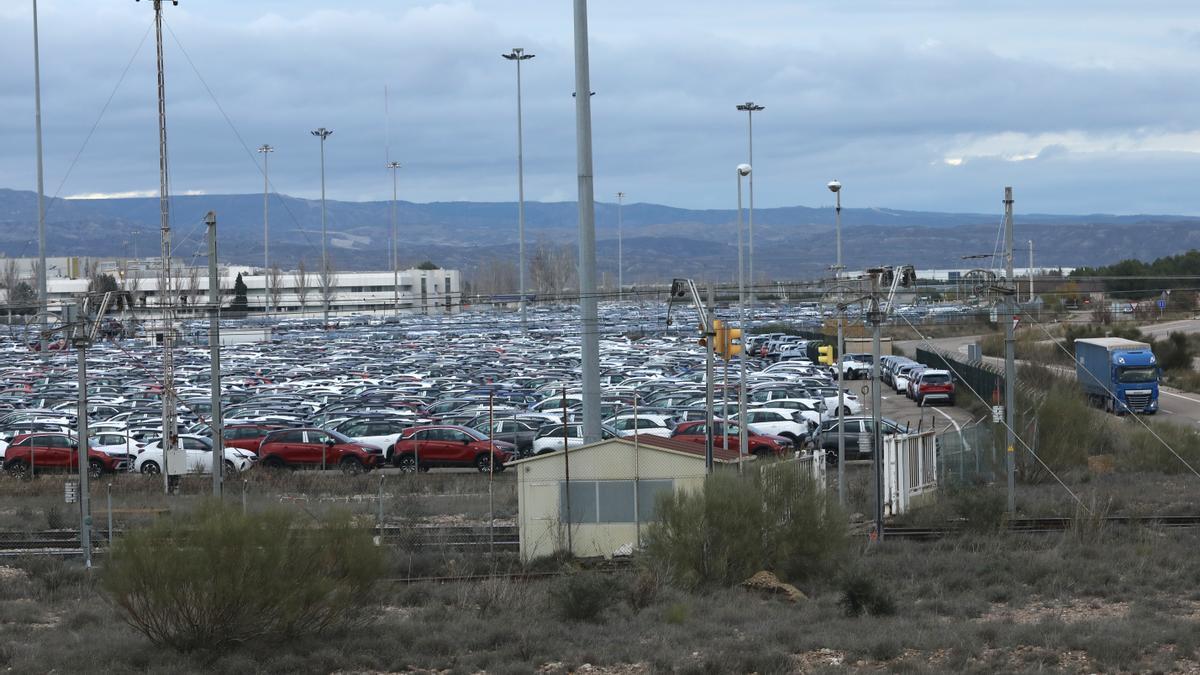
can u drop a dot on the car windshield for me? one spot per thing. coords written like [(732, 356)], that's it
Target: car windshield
[(1138, 374), (477, 435), (339, 437)]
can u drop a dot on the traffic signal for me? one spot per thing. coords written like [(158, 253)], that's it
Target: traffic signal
[(733, 342), (719, 337), (825, 355)]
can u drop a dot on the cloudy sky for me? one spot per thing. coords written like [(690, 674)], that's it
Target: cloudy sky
[(1082, 105)]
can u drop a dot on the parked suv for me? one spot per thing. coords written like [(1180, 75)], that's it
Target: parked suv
[(934, 385), (57, 452), (247, 436), (858, 434), (428, 446), (317, 448), (762, 445)]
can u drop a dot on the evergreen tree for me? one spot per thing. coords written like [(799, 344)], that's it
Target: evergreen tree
[(240, 303)]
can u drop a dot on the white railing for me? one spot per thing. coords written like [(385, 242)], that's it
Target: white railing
[(909, 469)]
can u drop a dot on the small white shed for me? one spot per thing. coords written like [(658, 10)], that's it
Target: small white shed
[(610, 495)]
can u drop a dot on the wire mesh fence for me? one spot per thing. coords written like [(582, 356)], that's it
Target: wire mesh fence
[(968, 455), (596, 501)]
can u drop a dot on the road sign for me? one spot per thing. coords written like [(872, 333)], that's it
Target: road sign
[(997, 414), (1162, 304)]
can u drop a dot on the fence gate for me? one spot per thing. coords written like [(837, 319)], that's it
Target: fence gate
[(910, 469)]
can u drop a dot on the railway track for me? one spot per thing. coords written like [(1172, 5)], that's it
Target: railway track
[(1043, 526), (505, 538)]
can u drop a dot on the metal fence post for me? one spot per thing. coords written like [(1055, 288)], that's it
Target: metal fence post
[(110, 526)]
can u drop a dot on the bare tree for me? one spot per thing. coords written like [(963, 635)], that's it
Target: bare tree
[(552, 269), (130, 283), (498, 276), (302, 279), (275, 278), (9, 279), (193, 285), (327, 284)]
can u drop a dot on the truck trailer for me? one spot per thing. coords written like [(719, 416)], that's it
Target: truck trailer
[(1118, 375)]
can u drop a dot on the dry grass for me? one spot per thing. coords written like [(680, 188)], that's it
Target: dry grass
[(1116, 600)]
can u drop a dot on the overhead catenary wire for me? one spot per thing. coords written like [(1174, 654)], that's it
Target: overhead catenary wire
[(1017, 436)]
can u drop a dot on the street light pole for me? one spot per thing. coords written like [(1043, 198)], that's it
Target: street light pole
[(518, 55), (589, 319), (620, 257), (836, 187), (742, 171), (395, 166), (266, 151), (749, 107), (323, 133), (37, 103)]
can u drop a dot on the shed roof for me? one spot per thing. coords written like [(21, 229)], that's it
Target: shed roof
[(658, 443)]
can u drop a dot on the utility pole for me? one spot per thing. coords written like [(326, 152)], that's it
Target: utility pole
[(322, 134), (620, 257), (589, 324), (709, 337), (1010, 365), (876, 320), (1030, 270), (166, 295), (395, 166), (37, 103), (266, 151), (743, 435), (518, 55), (216, 423), (85, 508)]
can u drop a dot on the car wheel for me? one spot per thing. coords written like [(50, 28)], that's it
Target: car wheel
[(151, 468), (920, 401), (274, 463), (760, 452), (352, 466), (95, 469), (483, 463), (406, 463), (18, 469), (230, 469)]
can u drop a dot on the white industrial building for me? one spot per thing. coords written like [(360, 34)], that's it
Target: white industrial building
[(435, 291)]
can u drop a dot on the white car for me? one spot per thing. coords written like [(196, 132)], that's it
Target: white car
[(381, 433), (199, 457), (779, 422), (116, 443), (550, 438), (812, 409), (645, 425)]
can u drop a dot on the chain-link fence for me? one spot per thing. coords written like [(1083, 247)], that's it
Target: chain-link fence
[(968, 454)]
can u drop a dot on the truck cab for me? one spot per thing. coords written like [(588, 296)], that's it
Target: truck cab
[(1118, 375)]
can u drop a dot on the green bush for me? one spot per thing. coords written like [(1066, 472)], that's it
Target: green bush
[(861, 594), (772, 519), (216, 577), (583, 596)]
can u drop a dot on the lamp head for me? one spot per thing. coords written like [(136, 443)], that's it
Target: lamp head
[(835, 186), (743, 169)]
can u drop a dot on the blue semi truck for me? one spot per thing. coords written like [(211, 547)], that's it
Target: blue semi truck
[(1118, 375)]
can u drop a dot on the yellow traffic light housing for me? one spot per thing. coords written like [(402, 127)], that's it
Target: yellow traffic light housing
[(825, 355), (719, 338), (733, 342)]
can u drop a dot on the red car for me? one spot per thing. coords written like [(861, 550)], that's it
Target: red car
[(57, 452), (424, 447), (759, 444), (317, 448), (247, 436)]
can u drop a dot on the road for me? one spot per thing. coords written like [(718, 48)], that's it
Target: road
[(1175, 406)]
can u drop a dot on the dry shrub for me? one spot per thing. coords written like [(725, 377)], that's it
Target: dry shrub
[(217, 577), (736, 526)]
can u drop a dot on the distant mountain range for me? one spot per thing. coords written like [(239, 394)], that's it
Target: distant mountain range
[(793, 242)]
